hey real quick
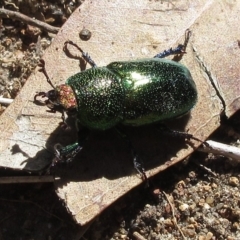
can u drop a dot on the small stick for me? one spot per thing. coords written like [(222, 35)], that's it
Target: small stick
[(221, 149), (207, 169), (26, 201), (11, 4), (26, 179), (34, 22), (173, 215), (6, 101)]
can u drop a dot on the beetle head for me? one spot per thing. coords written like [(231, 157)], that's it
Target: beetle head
[(60, 98)]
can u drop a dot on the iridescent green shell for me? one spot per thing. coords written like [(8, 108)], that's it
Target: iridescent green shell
[(133, 93)]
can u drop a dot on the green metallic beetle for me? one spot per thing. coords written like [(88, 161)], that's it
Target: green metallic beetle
[(132, 93)]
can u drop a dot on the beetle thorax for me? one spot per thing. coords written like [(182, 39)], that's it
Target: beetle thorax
[(66, 96)]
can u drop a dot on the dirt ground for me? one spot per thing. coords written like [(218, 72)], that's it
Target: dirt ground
[(198, 198)]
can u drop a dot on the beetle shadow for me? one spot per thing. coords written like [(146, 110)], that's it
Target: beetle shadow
[(106, 154)]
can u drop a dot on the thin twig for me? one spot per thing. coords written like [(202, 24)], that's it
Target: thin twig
[(27, 201), (34, 22), (207, 169), (11, 4), (173, 215), (82, 230), (6, 218), (221, 149), (26, 179), (6, 101)]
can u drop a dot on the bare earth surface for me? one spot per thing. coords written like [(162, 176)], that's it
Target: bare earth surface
[(185, 200)]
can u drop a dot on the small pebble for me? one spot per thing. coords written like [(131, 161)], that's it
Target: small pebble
[(209, 200), (85, 34), (183, 207), (233, 181), (201, 202), (209, 236), (206, 206)]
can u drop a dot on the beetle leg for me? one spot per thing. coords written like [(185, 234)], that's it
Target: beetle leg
[(85, 56), (180, 49), (175, 133), (67, 153), (42, 69), (64, 124), (137, 163)]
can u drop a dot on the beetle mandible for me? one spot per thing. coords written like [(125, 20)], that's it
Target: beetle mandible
[(131, 93)]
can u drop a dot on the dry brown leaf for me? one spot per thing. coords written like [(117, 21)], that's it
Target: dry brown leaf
[(124, 30)]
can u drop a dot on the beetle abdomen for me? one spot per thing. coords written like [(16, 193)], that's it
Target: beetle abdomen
[(155, 90), (100, 98)]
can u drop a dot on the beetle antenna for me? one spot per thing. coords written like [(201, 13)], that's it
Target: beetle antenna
[(85, 55), (43, 70), (180, 49), (188, 34)]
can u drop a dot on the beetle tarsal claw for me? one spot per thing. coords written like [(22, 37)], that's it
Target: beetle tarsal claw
[(57, 148), (61, 154), (41, 95)]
